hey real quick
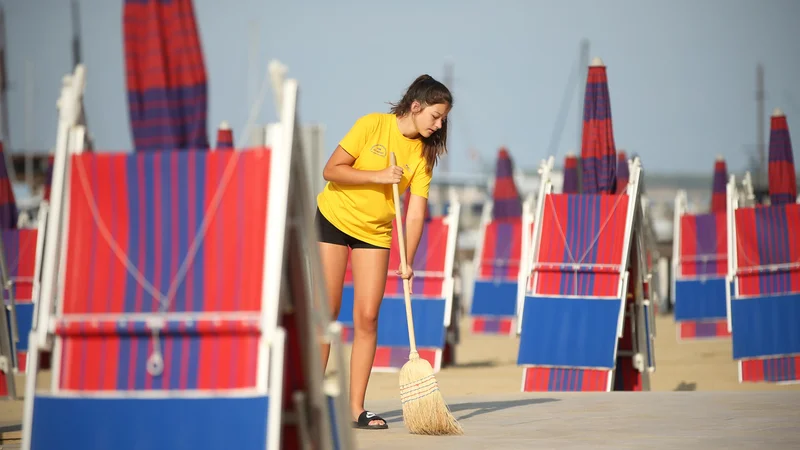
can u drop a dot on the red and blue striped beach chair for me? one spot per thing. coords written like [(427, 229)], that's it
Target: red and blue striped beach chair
[(574, 302), (20, 255), (185, 319), (431, 299), (498, 260), (700, 267), (765, 303)]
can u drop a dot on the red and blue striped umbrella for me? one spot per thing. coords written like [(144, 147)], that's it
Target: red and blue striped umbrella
[(505, 196), (598, 152), (571, 185), (623, 172), (782, 177), (224, 136), (167, 87), (8, 206), (718, 195)]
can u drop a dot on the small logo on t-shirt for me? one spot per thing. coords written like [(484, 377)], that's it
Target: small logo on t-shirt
[(378, 149)]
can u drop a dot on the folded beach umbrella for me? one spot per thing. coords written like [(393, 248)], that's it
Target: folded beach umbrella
[(598, 152), (505, 197), (571, 185), (166, 75), (8, 206), (224, 136), (718, 196), (623, 172), (782, 177)]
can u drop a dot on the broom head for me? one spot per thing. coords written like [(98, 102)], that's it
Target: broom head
[(424, 408)]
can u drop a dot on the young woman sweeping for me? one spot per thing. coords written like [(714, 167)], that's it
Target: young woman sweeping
[(356, 208)]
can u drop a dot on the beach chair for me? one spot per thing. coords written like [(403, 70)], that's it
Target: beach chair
[(582, 290), (764, 304), (185, 316), (700, 267), (498, 261), (21, 255), (431, 299), (504, 232)]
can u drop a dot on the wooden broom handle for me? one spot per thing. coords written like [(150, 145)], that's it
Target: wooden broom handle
[(398, 217)]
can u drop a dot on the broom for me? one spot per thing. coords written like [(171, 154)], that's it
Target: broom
[(424, 408)]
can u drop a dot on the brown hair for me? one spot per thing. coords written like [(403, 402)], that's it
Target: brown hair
[(427, 91)]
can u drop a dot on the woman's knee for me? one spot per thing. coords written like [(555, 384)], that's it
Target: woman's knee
[(366, 319)]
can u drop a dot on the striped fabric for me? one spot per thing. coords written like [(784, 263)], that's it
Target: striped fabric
[(502, 248), (506, 201), (543, 379), (20, 254), (224, 137), (166, 75), (598, 151), (429, 262), (782, 177), (773, 370), (706, 329), (623, 172), (704, 245), (719, 201), (393, 358), (153, 207), (571, 175), (768, 236), (8, 206), (581, 245)]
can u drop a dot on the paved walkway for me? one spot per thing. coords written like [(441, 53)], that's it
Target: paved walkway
[(669, 420)]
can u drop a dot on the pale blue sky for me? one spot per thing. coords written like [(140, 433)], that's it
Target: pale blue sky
[(681, 73)]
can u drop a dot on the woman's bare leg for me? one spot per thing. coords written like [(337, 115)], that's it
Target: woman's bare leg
[(334, 264), (370, 267)]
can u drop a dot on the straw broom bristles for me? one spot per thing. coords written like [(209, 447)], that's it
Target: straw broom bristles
[(424, 408)]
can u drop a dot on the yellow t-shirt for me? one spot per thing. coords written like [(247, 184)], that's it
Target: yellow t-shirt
[(365, 212)]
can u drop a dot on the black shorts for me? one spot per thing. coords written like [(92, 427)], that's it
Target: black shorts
[(329, 234)]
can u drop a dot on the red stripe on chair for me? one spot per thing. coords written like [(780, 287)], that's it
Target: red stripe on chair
[(502, 247), (581, 244), (396, 357), (767, 239), (704, 245), (690, 330), (20, 254), (774, 370), (492, 325), (553, 379)]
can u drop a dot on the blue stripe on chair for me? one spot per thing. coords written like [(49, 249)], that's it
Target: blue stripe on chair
[(64, 423), (569, 332), (428, 323), (766, 326), (346, 308), (490, 298), (700, 299)]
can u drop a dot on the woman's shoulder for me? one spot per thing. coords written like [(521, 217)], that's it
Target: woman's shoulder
[(374, 119)]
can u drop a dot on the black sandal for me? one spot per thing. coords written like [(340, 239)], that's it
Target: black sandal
[(365, 418)]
